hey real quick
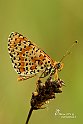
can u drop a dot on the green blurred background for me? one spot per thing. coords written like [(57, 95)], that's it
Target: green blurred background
[(53, 25)]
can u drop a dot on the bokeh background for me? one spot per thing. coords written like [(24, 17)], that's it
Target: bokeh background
[(53, 25)]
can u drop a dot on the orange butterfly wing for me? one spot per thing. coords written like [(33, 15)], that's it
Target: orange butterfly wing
[(27, 58)]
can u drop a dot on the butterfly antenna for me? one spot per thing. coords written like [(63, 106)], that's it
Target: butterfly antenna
[(68, 51), (29, 115)]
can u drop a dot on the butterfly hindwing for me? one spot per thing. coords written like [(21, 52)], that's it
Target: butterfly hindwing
[(27, 58)]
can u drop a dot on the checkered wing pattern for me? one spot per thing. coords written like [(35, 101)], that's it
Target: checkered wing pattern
[(27, 58)]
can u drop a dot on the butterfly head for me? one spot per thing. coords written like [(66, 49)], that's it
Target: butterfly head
[(59, 65)]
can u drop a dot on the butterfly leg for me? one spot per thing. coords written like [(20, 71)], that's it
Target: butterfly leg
[(45, 73), (56, 75)]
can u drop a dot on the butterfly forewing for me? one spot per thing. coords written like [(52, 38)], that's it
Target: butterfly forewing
[(27, 58)]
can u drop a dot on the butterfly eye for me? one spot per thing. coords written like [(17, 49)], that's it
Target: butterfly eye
[(58, 65)]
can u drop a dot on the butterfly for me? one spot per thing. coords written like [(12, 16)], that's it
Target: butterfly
[(28, 59)]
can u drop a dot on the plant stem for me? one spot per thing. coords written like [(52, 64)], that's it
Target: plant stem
[(29, 115)]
